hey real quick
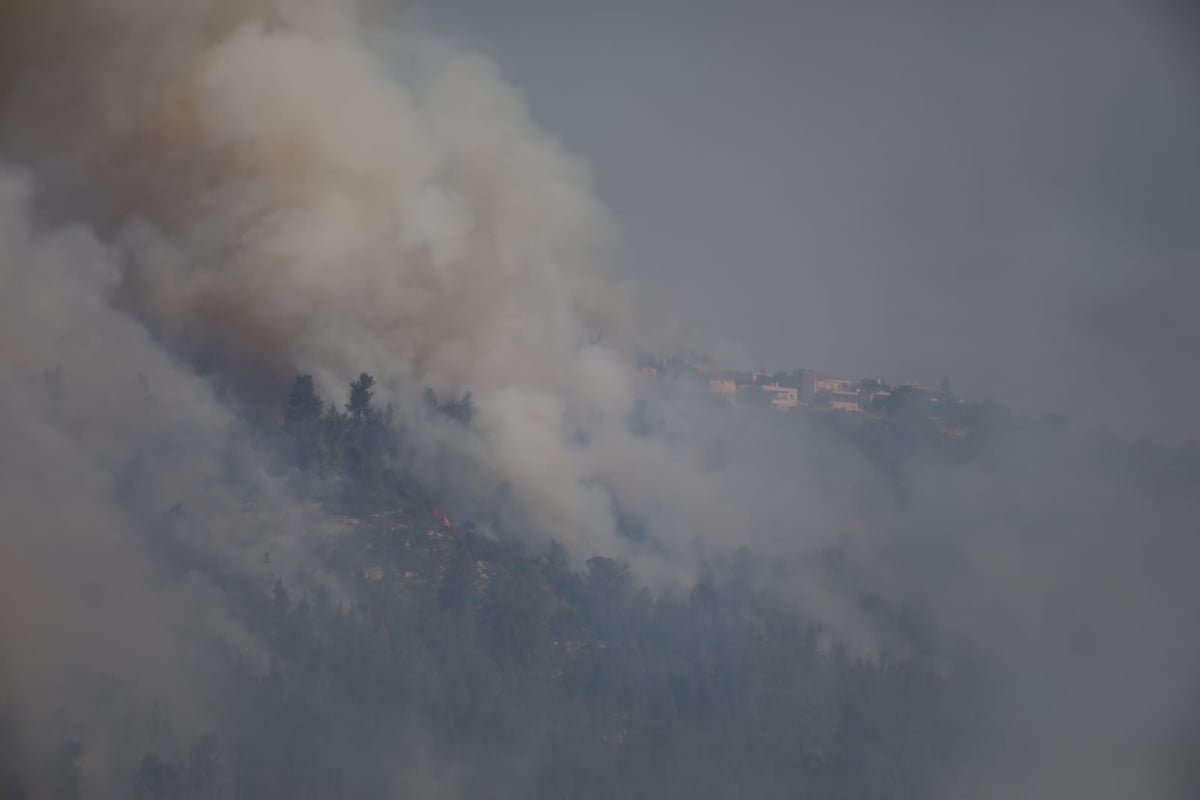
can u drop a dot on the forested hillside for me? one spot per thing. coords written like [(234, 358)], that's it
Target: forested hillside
[(459, 664), (445, 659)]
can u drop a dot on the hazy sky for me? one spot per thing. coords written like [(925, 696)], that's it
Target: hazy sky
[(1006, 193)]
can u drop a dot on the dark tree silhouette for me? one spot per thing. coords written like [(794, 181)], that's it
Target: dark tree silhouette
[(361, 395)]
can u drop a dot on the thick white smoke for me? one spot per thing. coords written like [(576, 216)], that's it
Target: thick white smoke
[(283, 198), (204, 200), (105, 435)]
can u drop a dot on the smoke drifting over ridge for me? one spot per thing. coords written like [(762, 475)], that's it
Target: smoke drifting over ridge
[(195, 204), (198, 203), (277, 199)]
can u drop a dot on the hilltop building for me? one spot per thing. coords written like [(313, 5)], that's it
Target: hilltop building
[(782, 397), (840, 394)]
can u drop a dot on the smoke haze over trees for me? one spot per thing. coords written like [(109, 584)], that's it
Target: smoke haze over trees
[(327, 473)]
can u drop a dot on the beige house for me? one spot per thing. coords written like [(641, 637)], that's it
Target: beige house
[(782, 397), (842, 394)]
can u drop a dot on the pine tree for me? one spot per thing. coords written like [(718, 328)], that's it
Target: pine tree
[(361, 394)]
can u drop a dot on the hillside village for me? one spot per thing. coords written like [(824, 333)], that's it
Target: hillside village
[(805, 390)]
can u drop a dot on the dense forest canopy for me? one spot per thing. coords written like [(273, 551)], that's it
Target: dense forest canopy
[(444, 659)]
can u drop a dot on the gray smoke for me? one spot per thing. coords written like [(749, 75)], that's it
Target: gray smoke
[(201, 202), (104, 435), (280, 197)]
